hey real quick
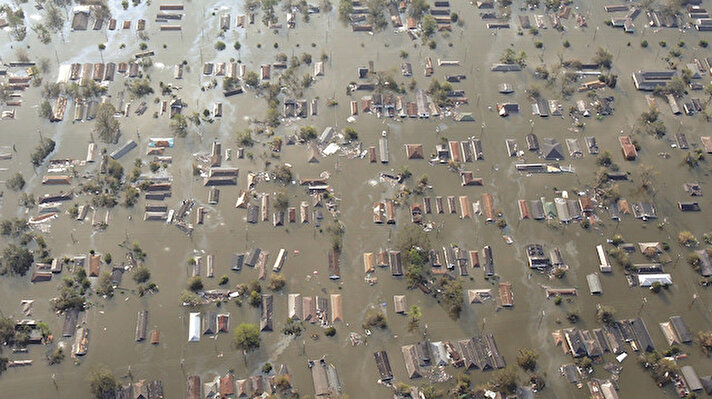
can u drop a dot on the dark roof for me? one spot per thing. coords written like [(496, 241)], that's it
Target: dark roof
[(383, 365), (705, 263), (575, 342), (70, 322), (707, 384), (680, 329), (266, 312), (411, 363), (253, 257), (210, 323), (645, 342), (551, 149)]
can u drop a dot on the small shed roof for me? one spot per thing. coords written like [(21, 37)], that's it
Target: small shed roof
[(400, 303), (691, 377), (594, 284)]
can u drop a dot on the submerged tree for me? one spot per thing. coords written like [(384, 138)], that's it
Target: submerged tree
[(414, 314), (16, 260), (504, 380), (16, 182), (107, 126), (103, 384), (603, 58), (511, 57), (705, 339), (451, 296), (526, 359), (246, 336), (606, 314), (179, 125)]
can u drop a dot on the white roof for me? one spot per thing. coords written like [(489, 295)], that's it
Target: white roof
[(646, 280), (194, 327)]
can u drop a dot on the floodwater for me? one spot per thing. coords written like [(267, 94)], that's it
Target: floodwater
[(528, 324)]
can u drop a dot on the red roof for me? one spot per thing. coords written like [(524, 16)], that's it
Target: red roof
[(223, 322), (227, 385)]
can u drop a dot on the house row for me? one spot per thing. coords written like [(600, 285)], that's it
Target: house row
[(643, 210), (232, 70), (228, 386), (611, 338), (466, 209), (82, 15), (144, 389), (315, 309), (473, 353), (566, 210), (455, 258), (538, 259), (675, 331), (459, 151), (391, 259), (392, 106), (279, 218), (299, 108), (659, 19), (209, 323)]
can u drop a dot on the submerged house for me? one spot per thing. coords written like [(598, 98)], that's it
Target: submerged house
[(411, 361), (384, 366), (551, 149), (266, 312), (334, 265), (194, 327), (325, 378)]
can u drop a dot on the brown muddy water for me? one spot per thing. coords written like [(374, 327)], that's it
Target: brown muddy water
[(355, 182)]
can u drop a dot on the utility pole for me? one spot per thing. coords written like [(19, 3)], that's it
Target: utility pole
[(694, 298), (645, 301)]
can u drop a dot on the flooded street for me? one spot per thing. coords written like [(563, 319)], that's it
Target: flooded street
[(356, 184)]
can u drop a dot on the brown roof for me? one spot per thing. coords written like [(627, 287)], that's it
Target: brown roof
[(368, 262), (227, 385), (336, 314), (465, 208), (382, 258), (474, 258), (94, 265), (193, 387), (488, 206), (155, 337), (707, 143), (586, 204), (629, 151), (469, 179), (243, 388), (400, 303), (411, 361), (455, 151), (411, 23), (414, 151), (57, 180), (523, 209), (623, 206), (223, 322), (506, 297)]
